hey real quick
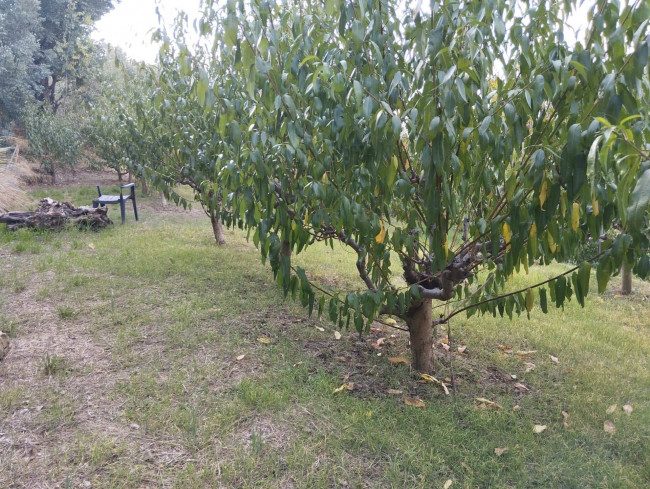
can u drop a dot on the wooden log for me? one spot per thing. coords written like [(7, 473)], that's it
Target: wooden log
[(55, 215)]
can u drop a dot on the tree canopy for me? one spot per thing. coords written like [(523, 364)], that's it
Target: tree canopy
[(43, 42), (447, 147)]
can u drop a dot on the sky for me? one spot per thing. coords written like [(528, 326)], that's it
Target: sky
[(130, 24)]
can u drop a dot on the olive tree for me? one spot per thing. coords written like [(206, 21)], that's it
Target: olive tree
[(435, 143)]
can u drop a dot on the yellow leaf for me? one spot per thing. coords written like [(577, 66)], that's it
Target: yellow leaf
[(542, 194), (551, 242), (575, 216), (609, 427), (533, 230), (594, 206), (487, 402), (264, 340), (530, 300), (325, 179), (500, 451), (306, 218), (340, 389), (398, 360), (538, 428), (563, 204), (506, 233), (390, 321), (414, 401), (382, 233)]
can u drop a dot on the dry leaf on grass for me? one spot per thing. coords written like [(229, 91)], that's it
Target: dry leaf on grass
[(337, 335), (538, 428), (91, 246), (529, 366), (445, 346), (565, 419), (414, 401), (500, 451), (526, 353), (609, 427), (521, 387), (322, 330), (554, 359), (240, 357), (398, 360), (611, 409), (429, 379), (448, 484), (264, 340), (628, 409), (505, 349), (340, 389), (483, 402), (394, 391), (350, 386), (461, 349)]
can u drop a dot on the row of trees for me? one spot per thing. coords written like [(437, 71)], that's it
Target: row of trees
[(447, 147)]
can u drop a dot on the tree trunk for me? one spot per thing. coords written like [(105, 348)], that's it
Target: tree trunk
[(626, 275), (217, 228), (145, 187), (419, 321)]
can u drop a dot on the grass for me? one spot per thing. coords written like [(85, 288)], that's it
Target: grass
[(151, 318)]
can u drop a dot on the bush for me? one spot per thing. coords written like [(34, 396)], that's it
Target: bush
[(54, 138)]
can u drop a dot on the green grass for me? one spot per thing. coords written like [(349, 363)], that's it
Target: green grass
[(150, 318)]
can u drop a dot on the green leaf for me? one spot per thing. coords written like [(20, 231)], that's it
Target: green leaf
[(584, 274), (560, 291), (639, 203), (542, 300), (603, 272)]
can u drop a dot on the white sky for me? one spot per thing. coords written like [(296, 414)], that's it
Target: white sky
[(130, 24)]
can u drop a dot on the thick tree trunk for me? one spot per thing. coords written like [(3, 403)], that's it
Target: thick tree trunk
[(419, 321), (217, 228), (626, 276)]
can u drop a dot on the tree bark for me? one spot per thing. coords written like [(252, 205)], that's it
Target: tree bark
[(626, 276), (217, 228), (420, 324)]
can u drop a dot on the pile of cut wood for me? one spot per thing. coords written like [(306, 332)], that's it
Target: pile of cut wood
[(58, 215)]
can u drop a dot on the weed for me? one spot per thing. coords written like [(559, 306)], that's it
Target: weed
[(66, 312), (52, 364)]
